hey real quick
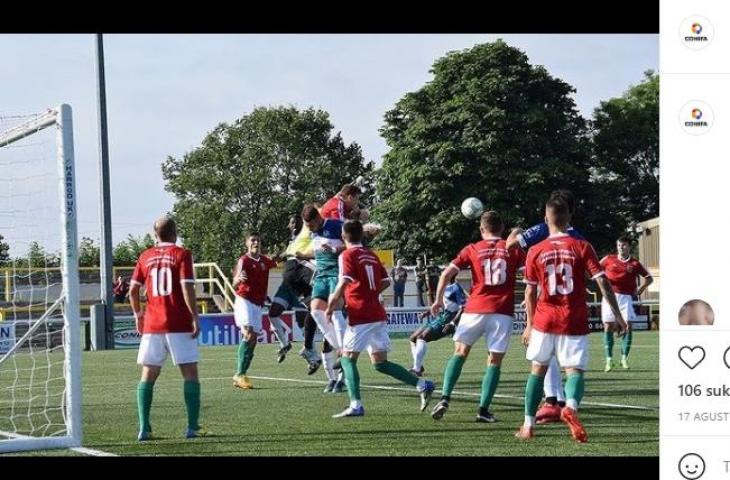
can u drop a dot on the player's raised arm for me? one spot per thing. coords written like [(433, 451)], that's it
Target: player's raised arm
[(513, 238)]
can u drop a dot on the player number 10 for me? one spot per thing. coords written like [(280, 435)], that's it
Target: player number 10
[(161, 281)]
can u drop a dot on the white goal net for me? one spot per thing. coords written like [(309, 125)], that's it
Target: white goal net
[(40, 335)]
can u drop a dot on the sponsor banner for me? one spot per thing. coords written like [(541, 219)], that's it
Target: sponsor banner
[(125, 333), (7, 336), (220, 328), (215, 329), (406, 320)]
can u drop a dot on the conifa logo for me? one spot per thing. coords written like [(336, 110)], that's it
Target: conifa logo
[(696, 32), (696, 117)]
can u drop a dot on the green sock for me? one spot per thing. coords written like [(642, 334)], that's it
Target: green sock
[(451, 373), (489, 385), (533, 393), (191, 391), (144, 405), (608, 343), (352, 377), (574, 387), (626, 344), (245, 355), (396, 371)]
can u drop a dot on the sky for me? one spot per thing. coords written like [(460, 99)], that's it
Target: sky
[(166, 92)]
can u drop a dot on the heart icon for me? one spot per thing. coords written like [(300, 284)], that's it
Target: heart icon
[(691, 356)]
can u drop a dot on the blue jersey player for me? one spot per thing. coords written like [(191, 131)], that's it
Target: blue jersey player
[(435, 328), (327, 245)]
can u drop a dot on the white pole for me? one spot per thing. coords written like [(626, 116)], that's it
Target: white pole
[(70, 272)]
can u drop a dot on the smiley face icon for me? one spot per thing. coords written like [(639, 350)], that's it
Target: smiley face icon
[(691, 466)]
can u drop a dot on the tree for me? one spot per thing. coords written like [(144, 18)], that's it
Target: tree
[(88, 253), (625, 135), (128, 251), (4, 252), (253, 174), (38, 257), (488, 125)]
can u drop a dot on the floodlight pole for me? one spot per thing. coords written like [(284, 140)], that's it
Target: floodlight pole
[(105, 255)]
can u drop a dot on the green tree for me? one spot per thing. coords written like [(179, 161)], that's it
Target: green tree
[(128, 251), (38, 257), (88, 253), (488, 125), (252, 174), (625, 135), (4, 252)]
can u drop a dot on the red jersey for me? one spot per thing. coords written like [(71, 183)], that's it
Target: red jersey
[(493, 274), (366, 275), (257, 278), (623, 273), (162, 270), (559, 265), (335, 208)]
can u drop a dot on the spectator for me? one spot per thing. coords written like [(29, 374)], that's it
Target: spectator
[(120, 289), (434, 272), (420, 281), (400, 276)]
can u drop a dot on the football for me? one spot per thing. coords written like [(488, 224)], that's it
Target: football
[(472, 207)]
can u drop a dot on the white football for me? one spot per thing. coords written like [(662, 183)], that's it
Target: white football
[(472, 207)]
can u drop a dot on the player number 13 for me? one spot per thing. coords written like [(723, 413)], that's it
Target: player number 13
[(565, 286)]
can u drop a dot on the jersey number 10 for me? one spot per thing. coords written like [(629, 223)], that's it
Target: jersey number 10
[(161, 281)]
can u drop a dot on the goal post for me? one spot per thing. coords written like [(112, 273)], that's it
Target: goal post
[(40, 364)]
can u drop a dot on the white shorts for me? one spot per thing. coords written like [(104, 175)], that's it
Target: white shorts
[(625, 304), (247, 314), (496, 328), (371, 336), (154, 347), (571, 350)]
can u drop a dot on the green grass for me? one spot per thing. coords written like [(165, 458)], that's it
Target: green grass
[(281, 417)]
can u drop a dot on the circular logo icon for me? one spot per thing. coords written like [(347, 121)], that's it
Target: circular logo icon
[(691, 466), (696, 32), (696, 117)]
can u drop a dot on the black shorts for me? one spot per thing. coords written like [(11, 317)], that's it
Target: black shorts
[(298, 277)]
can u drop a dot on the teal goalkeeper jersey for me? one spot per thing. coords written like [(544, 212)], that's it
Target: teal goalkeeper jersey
[(330, 234)]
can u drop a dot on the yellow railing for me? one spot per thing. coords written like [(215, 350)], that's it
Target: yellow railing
[(216, 278)]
